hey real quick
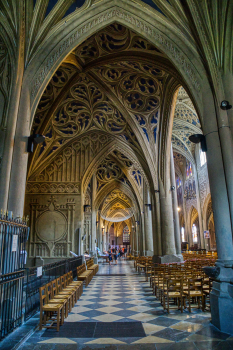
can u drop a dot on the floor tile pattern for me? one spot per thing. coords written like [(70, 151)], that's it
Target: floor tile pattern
[(118, 311)]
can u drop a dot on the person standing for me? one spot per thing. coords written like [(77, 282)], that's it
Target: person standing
[(116, 255), (109, 256)]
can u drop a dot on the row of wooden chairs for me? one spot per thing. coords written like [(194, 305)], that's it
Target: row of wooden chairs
[(57, 299), (179, 284)]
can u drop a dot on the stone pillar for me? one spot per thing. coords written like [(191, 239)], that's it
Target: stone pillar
[(157, 242), (200, 215), (104, 240), (93, 216), (225, 128), (137, 239), (132, 238), (20, 157), (168, 240), (219, 199), (13, 118), (221, 296), (175, 207), (148, 223), (142, 234)]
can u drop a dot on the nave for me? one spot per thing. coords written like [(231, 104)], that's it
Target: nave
[(118, 311)]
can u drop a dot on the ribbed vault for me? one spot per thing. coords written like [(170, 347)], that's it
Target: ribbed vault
[(101, 117)]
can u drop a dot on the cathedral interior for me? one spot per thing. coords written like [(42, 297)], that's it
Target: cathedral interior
[(116, 145)]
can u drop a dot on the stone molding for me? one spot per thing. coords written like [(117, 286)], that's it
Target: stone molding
[(52, 187)]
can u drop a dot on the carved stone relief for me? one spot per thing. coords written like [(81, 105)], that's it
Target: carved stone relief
[(52, 228)]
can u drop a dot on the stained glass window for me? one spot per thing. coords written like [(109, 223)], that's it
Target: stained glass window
[(194, 232), (182, 234), (126, 235), (190, 170)]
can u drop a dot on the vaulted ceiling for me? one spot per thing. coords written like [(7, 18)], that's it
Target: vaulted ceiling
[(108, 94)]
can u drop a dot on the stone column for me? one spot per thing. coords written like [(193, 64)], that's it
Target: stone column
[(168, 240), (104, 240), (13, 117), (93, 216), (157, 242), (219, 194), (148, 223), (20, 157), (200, 216), (175, 207), (142, 235), (221, 296), (137, 239)]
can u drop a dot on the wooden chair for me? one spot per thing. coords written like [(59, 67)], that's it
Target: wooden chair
[(207, 287), (71, 287), (92, 266), (174, 292), (84, 275), (68, 293), (56, 295), (71, 282), (195, 291), (62, 300), (50, 311)]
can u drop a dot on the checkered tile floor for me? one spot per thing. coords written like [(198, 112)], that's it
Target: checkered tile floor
[(124, 300)]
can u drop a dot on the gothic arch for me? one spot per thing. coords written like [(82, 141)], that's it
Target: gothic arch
[(108, 149), (106, 190), (69, 33)]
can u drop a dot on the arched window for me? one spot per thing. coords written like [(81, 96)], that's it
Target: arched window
[(190, 170), (187, 170), (202, 158), (194, 232), (178, 182), (182, 234)]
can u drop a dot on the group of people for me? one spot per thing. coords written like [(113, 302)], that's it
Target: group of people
[(114, 254)]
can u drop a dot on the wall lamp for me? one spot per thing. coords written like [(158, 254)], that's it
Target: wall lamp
[(34, 139), (173, 188), (197, 138), (148, 205), (225, 105)]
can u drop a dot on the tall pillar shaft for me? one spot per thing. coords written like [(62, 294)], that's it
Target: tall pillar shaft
[(13, 118), (93, 215), (175, 206), (148, 224), (219, 198), (20, 158), (168, 239)]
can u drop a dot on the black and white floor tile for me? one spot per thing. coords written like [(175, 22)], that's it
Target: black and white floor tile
[(118, 311)]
